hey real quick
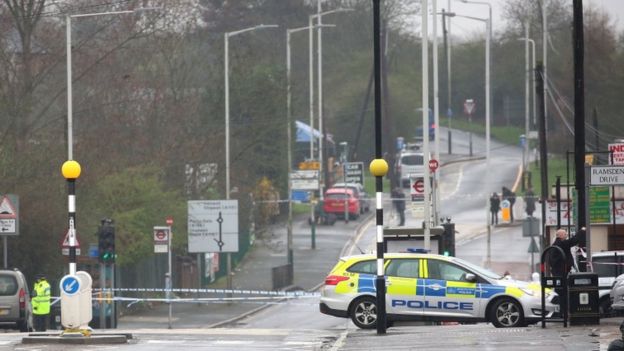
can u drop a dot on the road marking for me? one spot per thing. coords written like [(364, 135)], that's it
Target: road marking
[(233, 342), (457, 183), (340, 341)]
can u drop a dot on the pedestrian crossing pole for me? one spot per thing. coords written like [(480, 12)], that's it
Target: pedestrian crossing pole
[(71, 172), (379, 168)]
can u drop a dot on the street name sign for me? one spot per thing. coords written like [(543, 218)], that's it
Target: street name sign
[(354, 172), (213, 226), (607, 175)]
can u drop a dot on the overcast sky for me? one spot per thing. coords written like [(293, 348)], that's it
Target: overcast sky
[(614, 7)]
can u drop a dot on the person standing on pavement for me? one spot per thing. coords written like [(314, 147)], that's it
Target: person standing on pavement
[(560, 266), (398, 199), (494, 207), (529, 200), (41, 303)]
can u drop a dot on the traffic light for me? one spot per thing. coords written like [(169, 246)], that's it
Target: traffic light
[(106, 242)]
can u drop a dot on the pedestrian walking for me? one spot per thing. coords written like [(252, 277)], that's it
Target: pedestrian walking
[(494, 208), (398, 200), (529, 200), (41, 303), (511, 197)]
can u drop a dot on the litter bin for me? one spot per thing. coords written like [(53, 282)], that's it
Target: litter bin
[(583, 298)]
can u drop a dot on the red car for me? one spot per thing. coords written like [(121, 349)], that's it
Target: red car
[(335, 202)]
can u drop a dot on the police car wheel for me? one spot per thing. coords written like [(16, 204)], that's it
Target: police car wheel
[(506, 313), (364, 312)]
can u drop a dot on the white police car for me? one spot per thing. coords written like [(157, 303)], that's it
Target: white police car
[(429, 287)]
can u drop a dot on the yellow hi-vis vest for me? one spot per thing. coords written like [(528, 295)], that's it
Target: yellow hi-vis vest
[(41, 301)]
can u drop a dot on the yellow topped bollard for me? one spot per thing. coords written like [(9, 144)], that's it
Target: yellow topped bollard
[(378, 167), (71, 170)]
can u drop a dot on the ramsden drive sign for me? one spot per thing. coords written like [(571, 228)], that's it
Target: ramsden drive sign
[(607, 175)]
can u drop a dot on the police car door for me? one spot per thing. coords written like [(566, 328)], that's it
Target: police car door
[(404, 286), (447, 291)]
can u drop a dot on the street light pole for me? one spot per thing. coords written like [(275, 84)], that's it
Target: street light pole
[(318, 16), (488, 39), (425, 118), (70, 138), (289, 133), (226, 69), (436, 109)]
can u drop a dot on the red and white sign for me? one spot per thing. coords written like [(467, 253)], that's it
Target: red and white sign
[(469, 106), (433, 165), (417, 188), (7, 210), (161, 234), (618, 154), (65, 245), (551, 213), (169, 221)]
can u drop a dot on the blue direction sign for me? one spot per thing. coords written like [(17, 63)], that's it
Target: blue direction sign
[(70, 285)]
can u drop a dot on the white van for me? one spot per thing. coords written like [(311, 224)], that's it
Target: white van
[(409, 163)]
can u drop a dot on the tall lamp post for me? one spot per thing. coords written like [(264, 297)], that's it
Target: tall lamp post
[(226, 70), (289, 32), (319, 26), (527, 89), (71, 168), (488, 39)]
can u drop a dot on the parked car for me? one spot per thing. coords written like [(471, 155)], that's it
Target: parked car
[(335, 202), (608, 266), (15, 308), (359, 192), (409, 164), (428, 287)]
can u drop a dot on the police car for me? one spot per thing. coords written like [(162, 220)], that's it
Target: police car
[(429, 287)]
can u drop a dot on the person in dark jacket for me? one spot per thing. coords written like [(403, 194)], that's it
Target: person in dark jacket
[(494, 207), (560, 266), (529, 200), (398, 199)]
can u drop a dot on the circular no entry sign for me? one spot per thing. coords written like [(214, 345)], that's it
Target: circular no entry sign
[(433, 165)]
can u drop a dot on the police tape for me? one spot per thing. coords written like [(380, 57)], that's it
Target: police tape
[(256, 299), (607, 263), (298, 293)]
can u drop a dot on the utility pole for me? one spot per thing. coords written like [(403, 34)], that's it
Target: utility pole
[(447, 58), (539, 95), (579, 118)]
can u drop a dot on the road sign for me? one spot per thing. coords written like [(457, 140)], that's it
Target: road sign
[(469, 106), (9, 214), (617, 150), (533, 247), (169, 221), (70, 285), (213, 226), (354, 172), (7, 226), (607, 175), (417, 188), (530, 227), (76, 300), (309, 165), (433, 165), (304, 180), (161, 234), (65, 245), (161, 248)]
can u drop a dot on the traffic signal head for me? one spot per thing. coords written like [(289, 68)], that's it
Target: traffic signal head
[(106, 242)]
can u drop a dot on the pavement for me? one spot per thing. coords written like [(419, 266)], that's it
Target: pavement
[(310, 268)]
